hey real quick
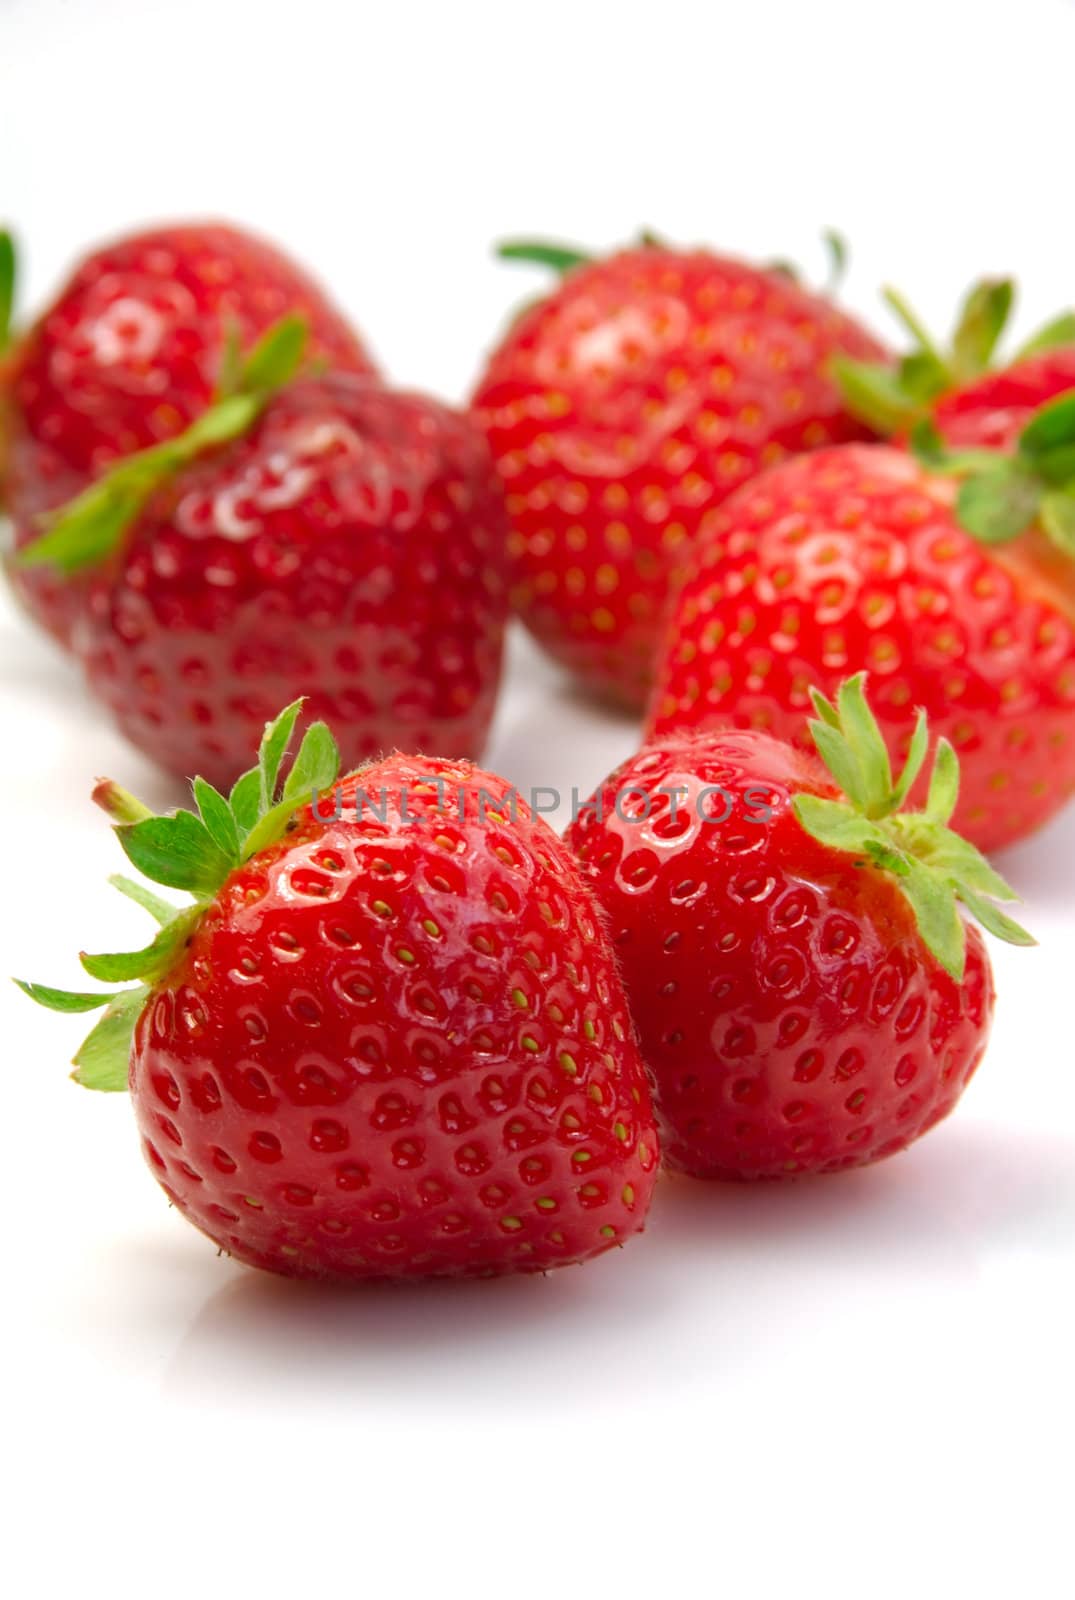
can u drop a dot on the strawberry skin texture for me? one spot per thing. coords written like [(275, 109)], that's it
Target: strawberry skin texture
[(992, 412), (128, 354), (788, 1010), (400, 1048), (349, 548), (622, 410), (852, 558)]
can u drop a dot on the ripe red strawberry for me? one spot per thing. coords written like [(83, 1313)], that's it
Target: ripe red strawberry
[(348, 546), (807, 995), (623, 409), (383, 1042), (973, 402), (129, 354), (863, 557)]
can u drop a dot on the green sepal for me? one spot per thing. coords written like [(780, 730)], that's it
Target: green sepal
[(151, 962), (1051, 428), (937, 915), (999, 503), (315, 766), (313, 770), (271, 751), (162, 911), (875, 394), (543, 253), (1003, 495), (92, 525), (230, 370), (1057, 512), (983, 318), (218, 817), (1053, 336), (841, 826), (178, 851), (936, 869), (8, 273), (890, 399), (838, 254), (102, 1060), (245, 800), (943, 784), (917, 751), (275, 358), (195, 853), (995, 921), (62, 999)]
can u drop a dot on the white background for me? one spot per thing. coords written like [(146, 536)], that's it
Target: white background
[(859, 1386)]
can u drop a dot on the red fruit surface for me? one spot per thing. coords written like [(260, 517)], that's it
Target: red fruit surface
[(991, 412), (622, 410), (852, 558), (400, 1048), (128, 354), (792, 1018), (349, 548)]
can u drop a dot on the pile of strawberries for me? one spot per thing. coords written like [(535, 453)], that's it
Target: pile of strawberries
[(397, 1026)]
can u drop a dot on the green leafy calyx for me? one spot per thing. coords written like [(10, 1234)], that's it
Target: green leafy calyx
[(892, 399), (194, 851), (936, 869), (92, 525), (1002, 495)]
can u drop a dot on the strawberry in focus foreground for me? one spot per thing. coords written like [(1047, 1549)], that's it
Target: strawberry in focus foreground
[(949, 577), (386, 1040), (308, 534), (129, 354), (807, 992), (623, 409)]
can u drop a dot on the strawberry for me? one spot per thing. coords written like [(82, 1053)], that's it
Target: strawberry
[(973, 401), (807, 994), (129, 354), (388, 1038), (623, 409), (862, 556), (323, 536)]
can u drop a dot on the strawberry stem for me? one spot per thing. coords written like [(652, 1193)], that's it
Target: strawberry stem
[(117, 802)]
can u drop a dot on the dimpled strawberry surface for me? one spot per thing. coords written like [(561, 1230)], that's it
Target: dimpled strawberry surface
[(400, 1048), (792, 1018)]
